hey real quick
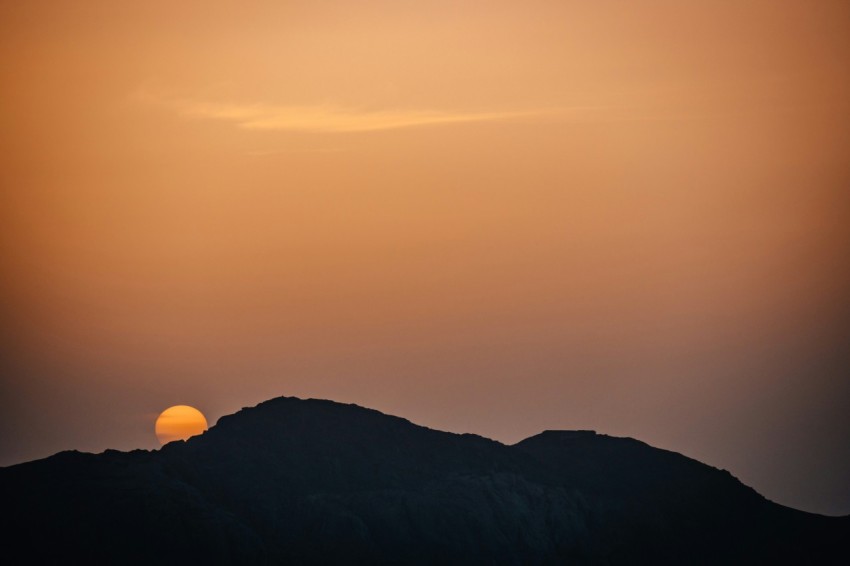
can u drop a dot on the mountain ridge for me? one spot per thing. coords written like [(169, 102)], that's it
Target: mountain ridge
[(314, 481)]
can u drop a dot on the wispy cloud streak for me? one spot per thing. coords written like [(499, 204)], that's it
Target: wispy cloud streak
[(322, 118)]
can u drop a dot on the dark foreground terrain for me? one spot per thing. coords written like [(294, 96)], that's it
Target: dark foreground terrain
[(295, 481)]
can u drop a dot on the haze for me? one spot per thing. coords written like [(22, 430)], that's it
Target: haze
[(488, 217)]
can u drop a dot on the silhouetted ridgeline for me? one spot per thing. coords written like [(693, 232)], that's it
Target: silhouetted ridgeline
[(315, 482)]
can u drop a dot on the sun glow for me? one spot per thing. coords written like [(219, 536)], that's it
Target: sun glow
[(179, 423)]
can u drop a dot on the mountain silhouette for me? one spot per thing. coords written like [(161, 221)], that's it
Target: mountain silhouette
[(294, 481)]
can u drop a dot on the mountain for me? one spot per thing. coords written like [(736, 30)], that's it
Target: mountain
[(295, 481)]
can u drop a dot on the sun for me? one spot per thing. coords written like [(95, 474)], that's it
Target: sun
[(179, 423)]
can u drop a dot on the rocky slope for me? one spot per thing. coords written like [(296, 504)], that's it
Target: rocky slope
[(315, 482)]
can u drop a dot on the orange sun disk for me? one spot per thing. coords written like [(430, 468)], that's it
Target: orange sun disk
[(179, 423)]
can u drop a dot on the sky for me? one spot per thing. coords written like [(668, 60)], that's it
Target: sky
[(490, 217)]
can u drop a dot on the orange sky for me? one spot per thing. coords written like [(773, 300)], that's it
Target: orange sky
[(493, 217)]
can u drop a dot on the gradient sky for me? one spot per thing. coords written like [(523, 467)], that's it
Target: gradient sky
[(492, 217)]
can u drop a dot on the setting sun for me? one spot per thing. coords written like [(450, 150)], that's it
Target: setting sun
[(179, 423), (494, 217)]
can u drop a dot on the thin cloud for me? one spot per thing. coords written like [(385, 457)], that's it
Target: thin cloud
[(268, 152), (322, 118)]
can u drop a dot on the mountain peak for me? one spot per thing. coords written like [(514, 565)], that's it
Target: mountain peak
[(286, 417)]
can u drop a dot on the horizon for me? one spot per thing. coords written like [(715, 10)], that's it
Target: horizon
[(487, 218), (587, 432)]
